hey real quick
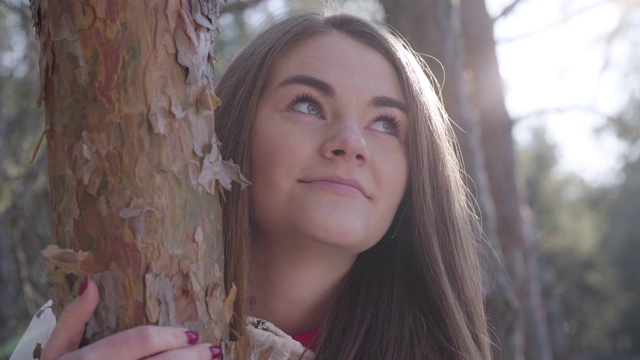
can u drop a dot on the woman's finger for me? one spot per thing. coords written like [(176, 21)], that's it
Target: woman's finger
[(70, 327), (137, 343), (200, 351)]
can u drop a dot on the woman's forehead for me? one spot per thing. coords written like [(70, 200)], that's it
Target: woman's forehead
[(337, 57)]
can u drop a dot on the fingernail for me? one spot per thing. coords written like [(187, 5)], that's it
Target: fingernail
[(83, 286), (216, 352), (192, 337)]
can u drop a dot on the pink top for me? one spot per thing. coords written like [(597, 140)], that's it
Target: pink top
[(306, 338)]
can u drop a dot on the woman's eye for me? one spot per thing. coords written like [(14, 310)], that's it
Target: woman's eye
[(307, 108), (387, 125)]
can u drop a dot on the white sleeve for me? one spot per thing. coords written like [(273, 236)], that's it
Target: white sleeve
[(38, 331)]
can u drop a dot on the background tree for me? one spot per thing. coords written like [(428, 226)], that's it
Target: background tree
[(514, 221), (582, 291), (460, 37), (621, 239)]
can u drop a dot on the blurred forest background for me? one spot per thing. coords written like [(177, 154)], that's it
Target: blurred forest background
[(579, 256)]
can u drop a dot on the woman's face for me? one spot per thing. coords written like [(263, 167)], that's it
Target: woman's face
[(329, 154)]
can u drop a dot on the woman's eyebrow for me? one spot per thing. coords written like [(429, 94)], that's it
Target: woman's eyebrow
[(321, 86), (385, 101), (327, 90)]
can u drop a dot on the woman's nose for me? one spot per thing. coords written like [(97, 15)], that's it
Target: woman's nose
[(346, 142)]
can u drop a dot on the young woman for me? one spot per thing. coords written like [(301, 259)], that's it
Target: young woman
[(356, 236)]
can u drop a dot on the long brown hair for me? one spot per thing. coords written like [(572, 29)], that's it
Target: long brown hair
[(417, 293)]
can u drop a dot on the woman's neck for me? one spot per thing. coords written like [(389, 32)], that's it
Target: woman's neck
[(292, 284)]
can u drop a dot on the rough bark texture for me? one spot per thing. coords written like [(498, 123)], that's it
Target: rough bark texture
[(514, 219), (439, 29), (133, 160)]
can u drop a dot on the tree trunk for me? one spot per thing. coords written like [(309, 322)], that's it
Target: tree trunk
[(514, 218), (133, 160)]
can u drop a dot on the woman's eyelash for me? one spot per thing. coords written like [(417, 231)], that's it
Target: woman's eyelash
[(393, 120), (308, 98)]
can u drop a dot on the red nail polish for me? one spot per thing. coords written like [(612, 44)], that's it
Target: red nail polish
[(216, 352), (83, 286), (192, 337)]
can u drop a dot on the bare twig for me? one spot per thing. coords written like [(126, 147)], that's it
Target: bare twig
[(557, 24), (507, 10), (11, 7), (560, 110), (238, 6), (621, 27)]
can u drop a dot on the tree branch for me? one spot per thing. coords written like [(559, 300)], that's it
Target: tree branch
[(10, 7), (238, 6), (560, 110), (557, 24), (622, 26), (507, 10)]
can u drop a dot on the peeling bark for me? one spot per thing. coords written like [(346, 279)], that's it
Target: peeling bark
[(133, 160)]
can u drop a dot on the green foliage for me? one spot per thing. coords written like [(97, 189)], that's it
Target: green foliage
[(621, 242), (24, 204), (571, 218), (7, 348)]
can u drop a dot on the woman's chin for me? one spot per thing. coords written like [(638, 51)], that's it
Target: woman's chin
[(343, 237)]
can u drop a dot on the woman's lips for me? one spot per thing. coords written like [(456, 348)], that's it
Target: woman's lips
[(338, 184)]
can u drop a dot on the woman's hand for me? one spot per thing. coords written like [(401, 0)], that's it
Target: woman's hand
[(149, 342)]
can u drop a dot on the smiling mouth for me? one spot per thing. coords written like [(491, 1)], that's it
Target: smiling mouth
[(338, 187)]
